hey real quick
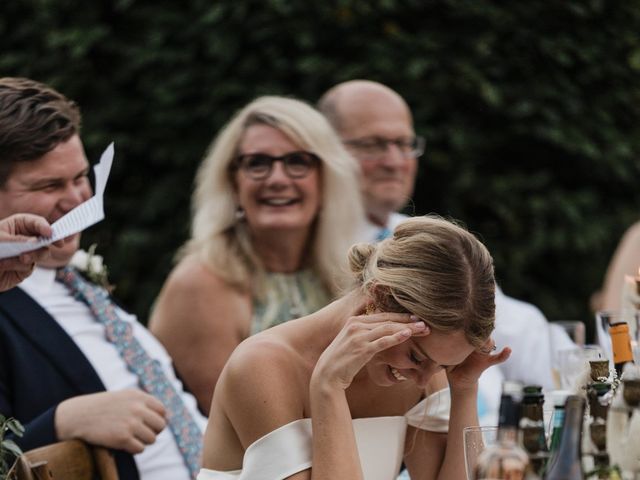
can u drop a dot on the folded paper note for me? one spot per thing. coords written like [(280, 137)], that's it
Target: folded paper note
[(83, 216)]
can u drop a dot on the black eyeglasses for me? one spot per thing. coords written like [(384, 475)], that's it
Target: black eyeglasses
[(375, 147), (258, 166)]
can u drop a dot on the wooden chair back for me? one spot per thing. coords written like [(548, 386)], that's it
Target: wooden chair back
[(68, 460)]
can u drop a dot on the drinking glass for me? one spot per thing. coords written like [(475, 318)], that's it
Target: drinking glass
[(563, 335), (476, 439), (574, 362), (575, 329)]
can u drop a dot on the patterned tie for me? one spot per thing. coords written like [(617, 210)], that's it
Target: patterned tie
[(150, 374)]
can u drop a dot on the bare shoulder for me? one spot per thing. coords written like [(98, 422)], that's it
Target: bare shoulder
[(262, 387), (192, 275), (633, 232), (192, 291), (263, 364), (259, 391)]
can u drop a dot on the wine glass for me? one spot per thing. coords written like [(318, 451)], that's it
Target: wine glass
[(575, 329), (574, 362), (476, 439)]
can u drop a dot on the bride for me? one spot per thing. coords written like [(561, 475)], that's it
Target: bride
[(365, 373)]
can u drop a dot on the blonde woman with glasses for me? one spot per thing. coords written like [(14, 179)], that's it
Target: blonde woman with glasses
[(275, 209)]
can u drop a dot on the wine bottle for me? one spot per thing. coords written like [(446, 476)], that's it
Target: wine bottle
[(566, 462), (505, 459), (532, 432)]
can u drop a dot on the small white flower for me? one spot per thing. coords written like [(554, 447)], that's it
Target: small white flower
[(91, 266), (80, 260), (96, 264)]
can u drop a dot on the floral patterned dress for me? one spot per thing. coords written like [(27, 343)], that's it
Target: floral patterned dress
[(288, 296)]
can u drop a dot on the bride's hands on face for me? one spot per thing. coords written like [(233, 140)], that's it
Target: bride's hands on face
[(466, 374), (359, 340)]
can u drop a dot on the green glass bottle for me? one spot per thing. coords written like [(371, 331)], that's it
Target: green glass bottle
[(566, 461)]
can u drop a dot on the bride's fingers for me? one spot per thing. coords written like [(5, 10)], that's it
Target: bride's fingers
[(381, 317), (391, 329), (388, 341), (501, 356)]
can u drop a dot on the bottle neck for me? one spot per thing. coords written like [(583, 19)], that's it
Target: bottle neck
[(570, 442), (556, 433), (532, 411)]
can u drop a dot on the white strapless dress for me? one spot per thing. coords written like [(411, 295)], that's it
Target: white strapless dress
[(287, 450)]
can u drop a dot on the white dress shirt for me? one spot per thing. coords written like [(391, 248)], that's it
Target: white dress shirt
[(161, 460), (370, 231), (524, 328)]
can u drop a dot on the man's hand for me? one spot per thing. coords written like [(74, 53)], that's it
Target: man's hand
[(23, 227), (125, 420), (19, 228)]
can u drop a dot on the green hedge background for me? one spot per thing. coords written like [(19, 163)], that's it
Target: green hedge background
[(531, 112)]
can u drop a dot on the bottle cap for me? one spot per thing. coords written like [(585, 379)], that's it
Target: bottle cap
[(532, 394), (621, 343)]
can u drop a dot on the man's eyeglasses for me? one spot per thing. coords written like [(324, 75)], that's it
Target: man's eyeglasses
[(376, 147), (258, 166)]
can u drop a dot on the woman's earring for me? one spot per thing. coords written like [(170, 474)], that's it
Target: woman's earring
[(239, 214), (371, 308)]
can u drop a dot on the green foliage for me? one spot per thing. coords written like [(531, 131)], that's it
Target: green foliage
[(531, 112), (8, 448)]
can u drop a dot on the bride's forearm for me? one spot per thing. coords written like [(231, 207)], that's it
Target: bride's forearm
[(464, 412), (335, 453)]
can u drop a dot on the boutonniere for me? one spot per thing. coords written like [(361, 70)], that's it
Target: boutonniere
[(92, 267)]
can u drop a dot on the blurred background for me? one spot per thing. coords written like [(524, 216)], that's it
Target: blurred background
[(531, 111)]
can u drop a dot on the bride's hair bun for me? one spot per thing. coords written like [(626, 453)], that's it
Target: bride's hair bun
[(359, 256)]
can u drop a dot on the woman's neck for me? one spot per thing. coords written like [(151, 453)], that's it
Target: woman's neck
[(320, 328), (281, 252)]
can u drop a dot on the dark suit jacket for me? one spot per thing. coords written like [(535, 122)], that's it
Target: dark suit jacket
[(40, 366)]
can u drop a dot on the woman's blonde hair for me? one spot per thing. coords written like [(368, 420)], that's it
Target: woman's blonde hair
[(434, 269), (222, 242)]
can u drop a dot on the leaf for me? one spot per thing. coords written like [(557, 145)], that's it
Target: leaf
[(12, 447), (16, 427)]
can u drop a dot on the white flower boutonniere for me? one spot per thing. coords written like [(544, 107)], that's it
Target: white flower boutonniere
[(92, 267)]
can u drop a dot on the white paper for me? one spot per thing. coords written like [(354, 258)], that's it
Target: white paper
[(83, 216)]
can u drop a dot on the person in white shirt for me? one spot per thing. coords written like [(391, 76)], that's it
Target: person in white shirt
[(60, 375), (376, 125)]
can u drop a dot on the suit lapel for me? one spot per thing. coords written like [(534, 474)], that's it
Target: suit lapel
[(50, 338)]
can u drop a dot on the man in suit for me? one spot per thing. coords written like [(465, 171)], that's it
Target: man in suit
[(60, 375), (376, 125)]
